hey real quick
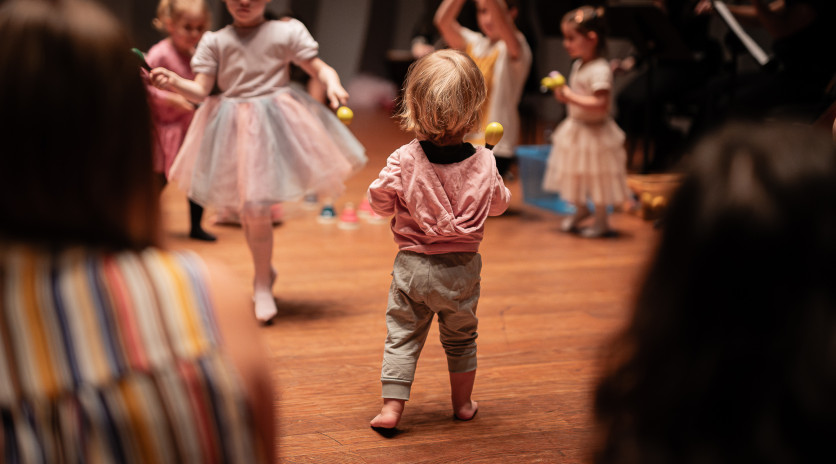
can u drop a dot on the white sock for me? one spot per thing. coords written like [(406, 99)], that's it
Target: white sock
[(258, 229)]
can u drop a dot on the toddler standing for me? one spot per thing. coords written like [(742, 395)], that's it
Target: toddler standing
[(440, 191), (260, 142), (504, 57), (184, 21), (587, 159)]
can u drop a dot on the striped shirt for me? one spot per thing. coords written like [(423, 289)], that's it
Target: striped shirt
[(114, 357)]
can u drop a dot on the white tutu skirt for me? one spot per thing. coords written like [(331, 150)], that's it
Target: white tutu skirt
[(264, 150), (588, 162)]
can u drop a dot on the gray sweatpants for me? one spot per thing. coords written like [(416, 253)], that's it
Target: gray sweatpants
[(423, 285)]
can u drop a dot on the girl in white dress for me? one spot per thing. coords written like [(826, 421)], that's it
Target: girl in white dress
[(587, 160), (260, 142)]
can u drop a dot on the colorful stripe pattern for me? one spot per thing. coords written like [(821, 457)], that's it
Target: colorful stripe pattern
[(114, 358)]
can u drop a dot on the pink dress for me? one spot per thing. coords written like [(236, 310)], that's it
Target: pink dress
[(261, 141), (170, 122), (587, 160)]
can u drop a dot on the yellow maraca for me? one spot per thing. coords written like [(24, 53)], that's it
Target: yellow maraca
[(552, 81), (345, 114), (492, 134)]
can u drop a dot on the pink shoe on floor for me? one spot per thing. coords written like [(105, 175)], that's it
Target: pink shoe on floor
[(348, 218)]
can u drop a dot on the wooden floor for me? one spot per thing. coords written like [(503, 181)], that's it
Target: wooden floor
[(548, 300)]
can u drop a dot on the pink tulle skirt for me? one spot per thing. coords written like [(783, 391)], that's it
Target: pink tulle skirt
[(265, 150), (588, 162)]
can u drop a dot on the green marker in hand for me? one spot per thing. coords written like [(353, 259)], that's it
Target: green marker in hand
[(142, 61)]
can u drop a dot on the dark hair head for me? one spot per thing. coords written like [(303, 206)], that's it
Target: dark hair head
[(588, 19), (75, 165), (730, 355)]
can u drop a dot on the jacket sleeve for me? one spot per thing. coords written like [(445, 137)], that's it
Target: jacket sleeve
[(500, 198), (383, 192)]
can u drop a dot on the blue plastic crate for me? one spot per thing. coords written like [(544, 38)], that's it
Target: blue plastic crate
[(532, 164)]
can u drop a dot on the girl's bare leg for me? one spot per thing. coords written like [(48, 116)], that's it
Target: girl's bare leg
[(258, 229)]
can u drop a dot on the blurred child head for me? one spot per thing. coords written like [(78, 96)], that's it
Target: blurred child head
[(486, 20), (249, 14), (443, 96), (584, 32), (74, 119), (728, 356), (184, 21)]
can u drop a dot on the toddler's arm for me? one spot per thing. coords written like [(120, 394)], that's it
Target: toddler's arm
[(383, 192), (501, 197), (334, 90), (599, 101), (171, 99), (195, 91), (505, 27), (447, 23), (446, 20)]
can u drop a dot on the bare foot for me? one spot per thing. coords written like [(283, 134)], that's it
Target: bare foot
[(467, 411), (461, 386), (389, 415)]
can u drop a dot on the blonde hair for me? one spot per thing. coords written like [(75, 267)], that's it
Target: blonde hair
[(443, 96), (172, 9)]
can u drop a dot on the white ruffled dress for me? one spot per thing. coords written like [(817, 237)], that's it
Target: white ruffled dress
[(587, 161)]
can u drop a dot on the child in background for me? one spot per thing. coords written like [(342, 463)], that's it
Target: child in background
[(260, 142), (184, 21), (440, 191), (315, 89), (504, 57), (587, 159)]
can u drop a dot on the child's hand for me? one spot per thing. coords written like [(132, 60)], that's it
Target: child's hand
[(560, 93), (336, 94), (162, 78), (334, 90)]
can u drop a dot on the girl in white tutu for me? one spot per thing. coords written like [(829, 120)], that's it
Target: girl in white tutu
[(587, 161), (259, 142)]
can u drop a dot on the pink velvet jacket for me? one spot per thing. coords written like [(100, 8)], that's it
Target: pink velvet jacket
[(438, 208)]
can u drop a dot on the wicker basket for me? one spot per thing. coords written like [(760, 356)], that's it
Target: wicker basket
[(654, 192)]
